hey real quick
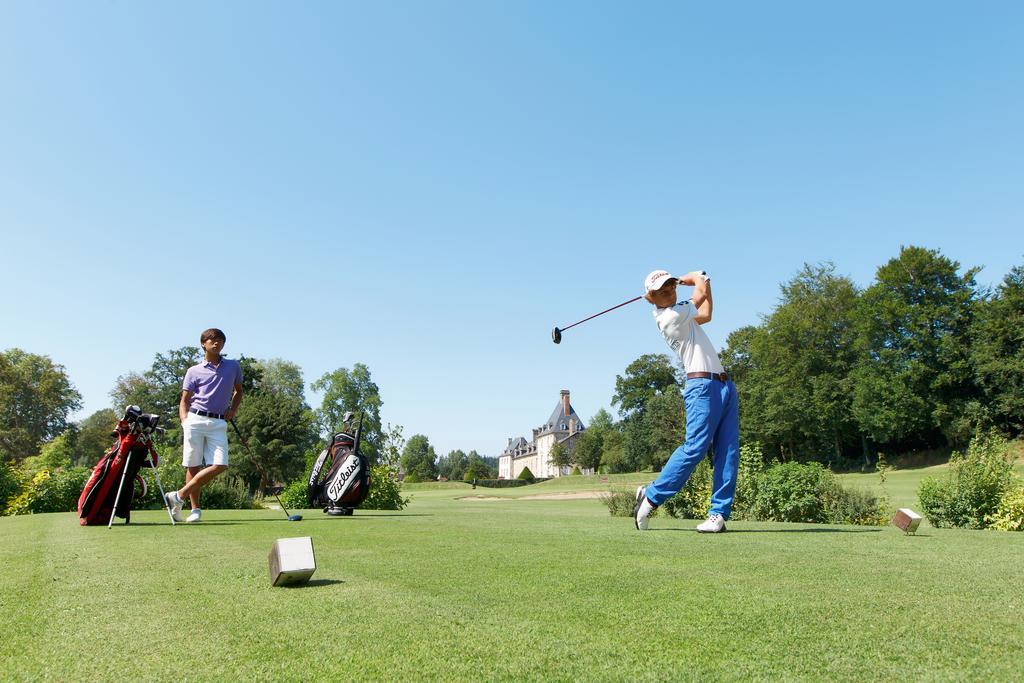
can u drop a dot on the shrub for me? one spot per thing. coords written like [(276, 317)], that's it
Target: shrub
[(385, 490), (506, 483), (791, 492), (294, 495), (47, 491), (973, 488), (412, 478), (10, 483), (1009, 516), (620, 502), (853, 506), (693, 500), (526, 474), (750, 469), (576, 471)]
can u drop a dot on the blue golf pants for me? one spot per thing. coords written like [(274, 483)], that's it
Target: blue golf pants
[(712, 416)]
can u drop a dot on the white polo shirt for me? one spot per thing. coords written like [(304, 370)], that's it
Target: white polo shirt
[(686, 338)]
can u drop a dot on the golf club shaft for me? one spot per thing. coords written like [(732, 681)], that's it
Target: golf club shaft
[(245, 445), (563, 329)]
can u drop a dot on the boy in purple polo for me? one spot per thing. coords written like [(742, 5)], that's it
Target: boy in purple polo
[(210, 395)]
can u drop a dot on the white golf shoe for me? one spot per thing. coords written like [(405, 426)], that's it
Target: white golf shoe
[(195, 516), (714, 524), (643, 509), (174, 502)]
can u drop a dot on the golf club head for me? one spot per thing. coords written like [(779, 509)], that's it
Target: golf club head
[(556, 336), (294, 518)]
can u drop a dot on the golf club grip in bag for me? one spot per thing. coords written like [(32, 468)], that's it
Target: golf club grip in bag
[(100, 491), (340, 478)]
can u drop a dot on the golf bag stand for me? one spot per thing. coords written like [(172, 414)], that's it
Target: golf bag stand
[(340, 479)]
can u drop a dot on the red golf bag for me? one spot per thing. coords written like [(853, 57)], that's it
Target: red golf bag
[(110, 490), (340, 478)]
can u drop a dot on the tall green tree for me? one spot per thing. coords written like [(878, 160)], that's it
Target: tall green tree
[(560, 456), (913, 381), (453, 465), (282, 377), (419, 458), (792, 372), (158, 389), (352, 390), (393, 445), (478, 466), (589, 447), (279, 428), (36, 397), (645, 377), (997, 353)]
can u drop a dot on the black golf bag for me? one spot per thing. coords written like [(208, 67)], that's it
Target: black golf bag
[(340, 478)]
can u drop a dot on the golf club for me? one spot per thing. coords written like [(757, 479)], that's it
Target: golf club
[(245, 445), (556, 334)]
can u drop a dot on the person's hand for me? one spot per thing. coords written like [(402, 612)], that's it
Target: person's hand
[(230, 414)]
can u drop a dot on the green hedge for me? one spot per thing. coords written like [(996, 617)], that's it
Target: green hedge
[(969, 496)]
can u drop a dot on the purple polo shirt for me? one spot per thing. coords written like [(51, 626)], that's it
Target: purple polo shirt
[(211, 386)]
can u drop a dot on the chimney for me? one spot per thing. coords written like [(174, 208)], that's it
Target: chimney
[(565, 402), (572, 426)]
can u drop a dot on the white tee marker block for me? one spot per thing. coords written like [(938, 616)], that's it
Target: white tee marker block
[(907, 520), (291, 561)]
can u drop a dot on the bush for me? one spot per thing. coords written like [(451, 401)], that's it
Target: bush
[(620, 502), (526, 474), (693, 500), (576, 471), (974, 487), (10, 483), (412, 478), (47, 491), (1009, 516), (385, 490), (294, 495)]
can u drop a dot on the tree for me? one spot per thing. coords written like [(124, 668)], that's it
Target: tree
[(587, 451), (283, 378), (647, 376), (912, 385), (792, 372), (419, 458), (453, 465), (352, 390), (997, 353), (158, 389), (94, 437), (560, 456), (279, 428), (478, 466), (393, 444), (36, 397)]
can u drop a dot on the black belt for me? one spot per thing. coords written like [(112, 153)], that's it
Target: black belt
[(203, 413), (722, 377)]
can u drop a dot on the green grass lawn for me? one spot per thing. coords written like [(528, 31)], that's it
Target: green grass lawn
[(456, 588)]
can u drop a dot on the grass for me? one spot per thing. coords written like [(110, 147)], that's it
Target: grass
[(457, 588)]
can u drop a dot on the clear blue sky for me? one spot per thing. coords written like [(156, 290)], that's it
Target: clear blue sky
[(429, 187)]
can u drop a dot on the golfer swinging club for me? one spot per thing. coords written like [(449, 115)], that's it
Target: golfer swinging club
[(712, 415)]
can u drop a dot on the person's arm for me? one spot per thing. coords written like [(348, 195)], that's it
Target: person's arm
[(701, 295), (236, 399), (186, 401)]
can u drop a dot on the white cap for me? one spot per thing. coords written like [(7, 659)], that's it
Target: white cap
[(657, 279)]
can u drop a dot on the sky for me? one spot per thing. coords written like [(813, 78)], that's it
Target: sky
[(430, 187)]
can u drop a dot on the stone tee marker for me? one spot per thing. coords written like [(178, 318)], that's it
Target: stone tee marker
[(291, 561), (907, 520)]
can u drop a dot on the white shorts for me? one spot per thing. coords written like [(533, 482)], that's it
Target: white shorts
[(206, 440)]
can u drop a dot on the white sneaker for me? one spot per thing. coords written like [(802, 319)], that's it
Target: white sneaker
[(173, 501), (194, 516), (642, 510), (714, 524)]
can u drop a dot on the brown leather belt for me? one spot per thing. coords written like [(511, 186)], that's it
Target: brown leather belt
[(708, 375)]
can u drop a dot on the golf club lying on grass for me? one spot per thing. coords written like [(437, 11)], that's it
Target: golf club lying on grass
[(245, 445), (556, 334)]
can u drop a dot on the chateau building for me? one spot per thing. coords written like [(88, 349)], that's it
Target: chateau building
[(564, 427)]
